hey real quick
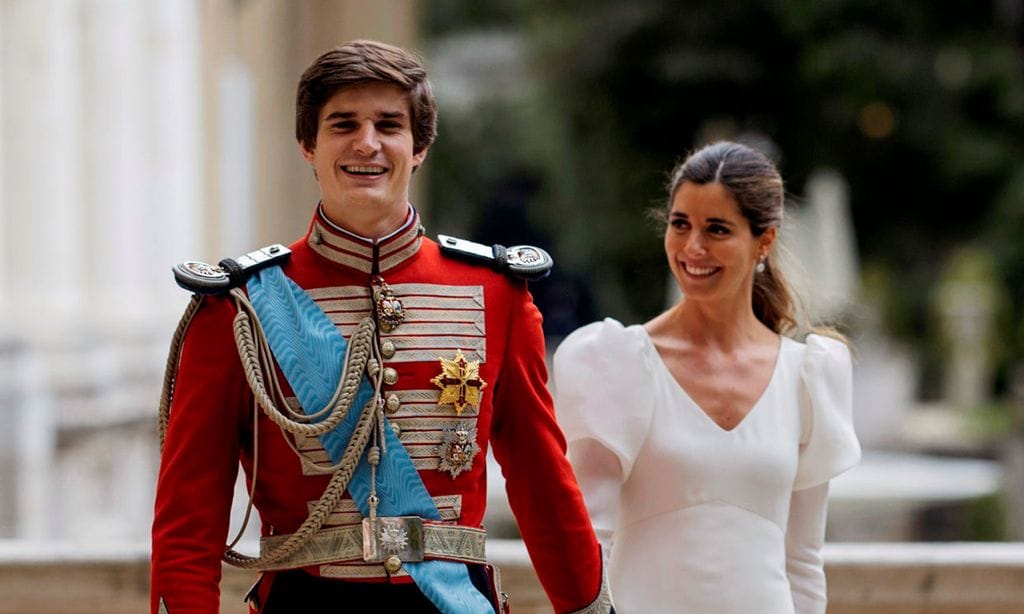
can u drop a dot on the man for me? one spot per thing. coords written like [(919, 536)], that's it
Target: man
[(364, 450)]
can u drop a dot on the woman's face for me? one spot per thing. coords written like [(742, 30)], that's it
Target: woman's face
[(710, 248)]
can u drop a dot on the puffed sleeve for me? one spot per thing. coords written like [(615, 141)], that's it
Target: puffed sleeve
[(828, 444), (600, 392)]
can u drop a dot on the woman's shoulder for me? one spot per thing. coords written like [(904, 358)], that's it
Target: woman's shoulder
[(604, 354), (828, 441), (600, 379), (602, 336), (826, 356)]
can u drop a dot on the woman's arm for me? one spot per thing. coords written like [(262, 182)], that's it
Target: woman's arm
[(805, 536), (599, 475)]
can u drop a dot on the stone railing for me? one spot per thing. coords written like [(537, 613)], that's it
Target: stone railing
[(880, 578)]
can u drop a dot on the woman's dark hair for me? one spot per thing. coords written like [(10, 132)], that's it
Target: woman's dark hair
[(754, 182)]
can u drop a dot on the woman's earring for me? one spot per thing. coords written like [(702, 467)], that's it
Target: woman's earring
[(760, 266)]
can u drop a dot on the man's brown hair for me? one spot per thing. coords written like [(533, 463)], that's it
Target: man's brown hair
[(363, 61)]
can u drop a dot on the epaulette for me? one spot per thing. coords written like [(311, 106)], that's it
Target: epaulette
[(203, 278), (520, 261)]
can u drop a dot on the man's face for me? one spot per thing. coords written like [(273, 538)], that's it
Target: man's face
[(364, 157)]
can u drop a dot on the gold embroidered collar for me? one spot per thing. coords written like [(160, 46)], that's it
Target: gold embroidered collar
[(361, 253)]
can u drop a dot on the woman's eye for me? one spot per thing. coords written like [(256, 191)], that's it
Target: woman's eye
[(716, 229)]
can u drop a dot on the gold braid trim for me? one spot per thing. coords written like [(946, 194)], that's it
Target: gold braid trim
[(171, 370), (602, 604), (257, 364)]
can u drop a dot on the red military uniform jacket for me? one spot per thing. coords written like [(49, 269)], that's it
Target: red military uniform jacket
[(450, 306)]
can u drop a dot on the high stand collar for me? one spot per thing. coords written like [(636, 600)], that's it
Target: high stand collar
[(370, 256)]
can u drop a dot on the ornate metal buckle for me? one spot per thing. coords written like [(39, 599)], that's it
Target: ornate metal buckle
[(389, 538)]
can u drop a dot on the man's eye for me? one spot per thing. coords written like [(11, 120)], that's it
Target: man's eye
[(343, 125), (389, 125)]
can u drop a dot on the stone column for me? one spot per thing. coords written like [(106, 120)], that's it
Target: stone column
[(100, 195), (41, 249)]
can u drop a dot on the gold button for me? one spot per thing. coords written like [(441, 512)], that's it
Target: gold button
[(387, 349), (392, 564), (390, 375), (392, 403), (397, 429)]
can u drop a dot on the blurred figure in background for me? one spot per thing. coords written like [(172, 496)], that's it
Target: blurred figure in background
[(564, 297), (704, 440)]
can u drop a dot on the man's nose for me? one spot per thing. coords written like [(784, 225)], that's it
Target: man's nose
[(366, 142)]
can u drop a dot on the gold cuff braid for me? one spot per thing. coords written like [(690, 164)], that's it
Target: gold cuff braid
[(603, 603)]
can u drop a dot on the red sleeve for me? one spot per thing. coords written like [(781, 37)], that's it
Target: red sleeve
[(541, 486), (199, 465)]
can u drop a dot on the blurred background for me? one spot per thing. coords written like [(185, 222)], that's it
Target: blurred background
[(136, 134)]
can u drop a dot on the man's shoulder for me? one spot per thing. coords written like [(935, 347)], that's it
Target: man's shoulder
[(229, 273), (521, 262)]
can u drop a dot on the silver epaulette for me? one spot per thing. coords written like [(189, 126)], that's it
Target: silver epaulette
[(203, 278)]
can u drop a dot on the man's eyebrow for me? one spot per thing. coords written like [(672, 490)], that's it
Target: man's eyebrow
[(336, 115), (339, 115)]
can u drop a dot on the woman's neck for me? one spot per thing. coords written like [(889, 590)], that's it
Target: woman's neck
[(712, 325)]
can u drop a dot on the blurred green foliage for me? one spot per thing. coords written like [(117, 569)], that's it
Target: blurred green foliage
[(920, 105), (986, 520)]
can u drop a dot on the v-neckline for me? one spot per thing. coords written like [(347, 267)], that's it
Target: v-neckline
[(696, 406)]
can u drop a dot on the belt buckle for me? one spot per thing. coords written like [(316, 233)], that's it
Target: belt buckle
[(393, 538)]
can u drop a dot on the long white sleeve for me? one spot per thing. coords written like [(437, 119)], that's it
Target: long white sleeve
[(805, 536), (605, 411), (599, 475)]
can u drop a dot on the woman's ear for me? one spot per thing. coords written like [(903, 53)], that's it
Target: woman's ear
[(767, 240)]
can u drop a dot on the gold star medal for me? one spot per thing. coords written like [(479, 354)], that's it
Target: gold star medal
[(460, 383)]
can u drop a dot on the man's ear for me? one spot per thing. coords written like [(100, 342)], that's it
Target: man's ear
[(307, 152), (418, 158)]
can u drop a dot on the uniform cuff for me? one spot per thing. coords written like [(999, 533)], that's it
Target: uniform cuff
[(603, 603)]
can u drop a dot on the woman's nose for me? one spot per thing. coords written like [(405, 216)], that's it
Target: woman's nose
[(694, 243)]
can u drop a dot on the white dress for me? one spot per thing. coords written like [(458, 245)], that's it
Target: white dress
[(695, 518)]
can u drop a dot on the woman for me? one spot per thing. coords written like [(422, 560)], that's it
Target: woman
[(704, 439)]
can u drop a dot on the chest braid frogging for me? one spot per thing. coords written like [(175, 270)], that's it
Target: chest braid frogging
[(257, 362)]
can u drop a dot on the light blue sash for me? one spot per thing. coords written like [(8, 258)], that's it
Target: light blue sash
[(310, 350)]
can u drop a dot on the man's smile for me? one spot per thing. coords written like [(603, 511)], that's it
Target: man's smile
[(364, 170)]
